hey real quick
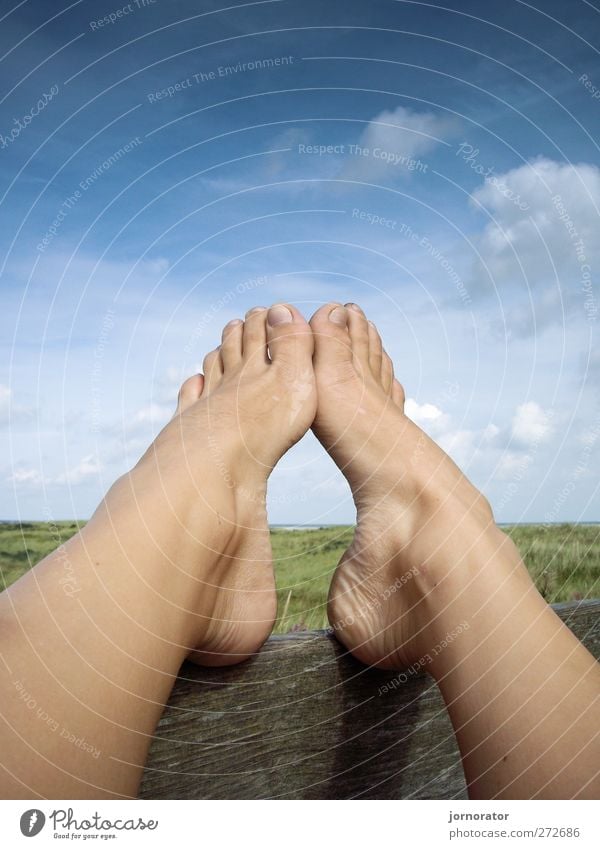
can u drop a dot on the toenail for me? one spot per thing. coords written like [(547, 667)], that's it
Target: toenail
[(255, 309), (279, 315), (354, 307), (338, 316), (233, 323)]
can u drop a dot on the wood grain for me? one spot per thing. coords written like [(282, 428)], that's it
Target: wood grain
[(304, 720)]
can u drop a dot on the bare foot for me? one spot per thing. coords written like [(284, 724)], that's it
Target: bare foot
[(431, 582), (411, 499), (255, 400), (176, 559)]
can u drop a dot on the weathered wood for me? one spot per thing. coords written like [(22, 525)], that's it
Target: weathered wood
[(304, 720)]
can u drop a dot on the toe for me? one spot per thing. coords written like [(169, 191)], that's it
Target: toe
[(254, 341), (213, 370), (358, 328), (387, 372), (398, 394), (190, 391), (330, 332), (231, 344), (375, 352), (289, 338)]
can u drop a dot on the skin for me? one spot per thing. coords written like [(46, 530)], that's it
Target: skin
[(522, 692), (162, 572)]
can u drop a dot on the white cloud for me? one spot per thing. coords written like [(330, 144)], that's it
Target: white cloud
[(166, 385), (513, 464), (462, 444), (151, 414), (548, 307), (531, 424), (11, 413), (529, 428), (134, 432), (535, 183), (26, 477), (550, 245), (427, 416), (88, 467), (490, 433), (145, 422), (393, 138)]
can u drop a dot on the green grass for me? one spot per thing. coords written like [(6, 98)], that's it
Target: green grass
[(304, 563), (24, 544), (563, 560)]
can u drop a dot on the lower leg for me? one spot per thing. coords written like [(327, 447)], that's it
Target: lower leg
[(175, 561), (430, 580), (522, 692), (97, 665)]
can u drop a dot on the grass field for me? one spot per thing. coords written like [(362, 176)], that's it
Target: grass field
[(563, 560)]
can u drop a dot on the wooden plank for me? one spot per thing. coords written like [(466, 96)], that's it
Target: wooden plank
[(304, 720)]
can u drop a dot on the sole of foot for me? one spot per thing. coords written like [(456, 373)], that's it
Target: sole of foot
[(255, 399), (406, 491)]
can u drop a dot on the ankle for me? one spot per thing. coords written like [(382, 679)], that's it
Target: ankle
[(457, 589), (164, 502)]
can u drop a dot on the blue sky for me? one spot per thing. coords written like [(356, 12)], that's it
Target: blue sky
[(168, 167)]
